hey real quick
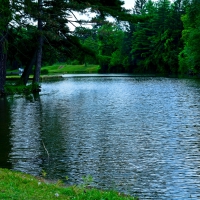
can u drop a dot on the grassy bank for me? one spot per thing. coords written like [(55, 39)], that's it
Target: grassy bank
[(19, 186), (64, 68), (58, 69)]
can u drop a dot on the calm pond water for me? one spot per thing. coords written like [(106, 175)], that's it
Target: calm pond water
[(137, 135)]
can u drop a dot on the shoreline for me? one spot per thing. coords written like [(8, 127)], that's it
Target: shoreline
[(56, 76), (19, 185)]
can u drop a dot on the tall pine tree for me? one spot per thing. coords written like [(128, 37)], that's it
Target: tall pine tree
[(5, 17)]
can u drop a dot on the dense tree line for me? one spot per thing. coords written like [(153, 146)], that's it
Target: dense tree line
[(154, 37), (165, 42), (189, 56)]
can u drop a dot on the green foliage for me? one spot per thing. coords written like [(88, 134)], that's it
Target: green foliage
[(44, 71), (87, 181), (16, 185), (115, 58), (75, 62), (36, 87), (21, 46), (5, 15), (189, 59), (44, 173), (104, 63), (52, 33), (62, 68), (150, 41), (110, 39), (157, 42), (11, 89)]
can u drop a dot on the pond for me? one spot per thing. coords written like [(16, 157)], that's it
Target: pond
[(137, 135)]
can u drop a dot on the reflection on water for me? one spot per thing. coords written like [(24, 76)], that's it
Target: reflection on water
[(5, 146), (25, 136), (137, 135)]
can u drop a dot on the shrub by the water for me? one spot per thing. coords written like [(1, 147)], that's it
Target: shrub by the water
[(18, 89), (44, 71)]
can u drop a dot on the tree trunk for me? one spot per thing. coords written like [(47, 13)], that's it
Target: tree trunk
[(27, 71), (3, 57), (36, 77)]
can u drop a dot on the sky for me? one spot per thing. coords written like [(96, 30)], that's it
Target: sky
[(128, 4)]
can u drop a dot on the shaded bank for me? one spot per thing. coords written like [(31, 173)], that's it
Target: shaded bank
[(5, 143)]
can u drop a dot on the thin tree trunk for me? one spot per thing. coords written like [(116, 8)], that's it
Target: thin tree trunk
[(3, 57), (27, 71), (36, 77), (38, 61)]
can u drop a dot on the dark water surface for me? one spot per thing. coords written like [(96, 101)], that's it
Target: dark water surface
[(137, 135)]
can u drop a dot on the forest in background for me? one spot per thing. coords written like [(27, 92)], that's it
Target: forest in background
[(154, 37), (166, 42)]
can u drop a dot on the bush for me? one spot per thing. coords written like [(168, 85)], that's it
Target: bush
[(75, 62), (44, 71), (18, 89)]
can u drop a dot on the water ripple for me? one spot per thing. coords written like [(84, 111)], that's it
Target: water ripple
[(136, 135)]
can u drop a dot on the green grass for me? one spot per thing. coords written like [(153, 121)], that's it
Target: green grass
[(18, 89), (58, 69), (63, 68), (19, 186)]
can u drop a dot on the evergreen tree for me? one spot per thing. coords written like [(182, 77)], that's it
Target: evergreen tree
[(53, 16), (139, 6), (127, 60), (5, 17), (161, 36), (142, 44), (189, 59), (157, 42)]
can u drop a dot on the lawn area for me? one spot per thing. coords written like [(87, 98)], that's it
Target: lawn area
[(19, 186), (58, 69), (64, 68)]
